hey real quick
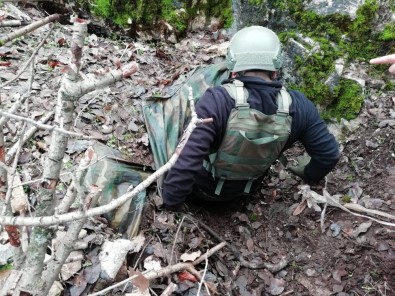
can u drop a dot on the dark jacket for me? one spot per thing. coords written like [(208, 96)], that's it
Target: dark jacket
[(307, 127)]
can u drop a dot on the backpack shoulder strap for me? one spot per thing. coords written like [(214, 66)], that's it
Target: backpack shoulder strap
[(239, 94), (284, 100), (237, 91)]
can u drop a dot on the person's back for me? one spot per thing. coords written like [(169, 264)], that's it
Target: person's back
[(254, 57)]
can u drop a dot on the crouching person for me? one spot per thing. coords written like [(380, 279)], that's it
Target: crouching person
[(255, 119)]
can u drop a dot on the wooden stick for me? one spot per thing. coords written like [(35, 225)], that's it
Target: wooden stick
[(28, 28), (153, 274)]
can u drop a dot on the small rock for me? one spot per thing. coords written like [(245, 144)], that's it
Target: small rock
[(56, 289), (371, 144), (383, 246), (310, 272), (336, 228), (386, 122)]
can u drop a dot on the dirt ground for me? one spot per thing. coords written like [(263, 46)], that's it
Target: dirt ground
[(333, 254)]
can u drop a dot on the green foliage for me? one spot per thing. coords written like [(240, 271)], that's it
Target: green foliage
[(338, 36), (388, 34), (5, 267), (255, 2), (389, 86), (148, 12), (177, 18), (253, 217), (346, 199), (347, 102)]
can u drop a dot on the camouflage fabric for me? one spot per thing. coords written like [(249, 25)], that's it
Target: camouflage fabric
[(165, 118), (252, 141), (114, 175)]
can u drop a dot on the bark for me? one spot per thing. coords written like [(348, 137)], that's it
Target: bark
[(65, 248), (32, 278), (13, 23)]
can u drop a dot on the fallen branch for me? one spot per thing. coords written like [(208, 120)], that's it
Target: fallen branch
[(251, 265), (27, 135), (28, 28), (313, 198), (29, 60), (43, 126), (13, 23), (153, 274)]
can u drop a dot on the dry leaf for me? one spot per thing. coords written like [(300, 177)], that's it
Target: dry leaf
[(19, 202), (276, 286), (140, 281), (250, 244), (362, 228), (186, 276), (300, 208)]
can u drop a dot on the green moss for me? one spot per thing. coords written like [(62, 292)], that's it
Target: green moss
[(176, 18), (388, 34), (389, 86), (348, 101), (149, 12), (346, 199), (255, 2), (338, 36), (253, 217)]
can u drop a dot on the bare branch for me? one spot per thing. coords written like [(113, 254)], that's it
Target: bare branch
[(153, 274), (55, 219), (43, 126), (29, 60), (27, 135), (13, 23), (29, 28)]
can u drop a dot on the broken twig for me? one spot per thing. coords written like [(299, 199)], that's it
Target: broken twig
[(29, 28)]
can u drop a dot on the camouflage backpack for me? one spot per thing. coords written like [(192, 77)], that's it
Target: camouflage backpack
[(252, 141)]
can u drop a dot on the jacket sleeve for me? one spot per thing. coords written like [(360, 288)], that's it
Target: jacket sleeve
[(313, 133), (179, 182)]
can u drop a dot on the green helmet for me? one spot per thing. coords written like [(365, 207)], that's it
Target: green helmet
[(254, 47)]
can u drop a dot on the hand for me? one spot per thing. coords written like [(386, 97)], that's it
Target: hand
[(388, 59), (298, 169)]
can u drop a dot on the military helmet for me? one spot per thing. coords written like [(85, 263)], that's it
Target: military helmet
[(254, 47)]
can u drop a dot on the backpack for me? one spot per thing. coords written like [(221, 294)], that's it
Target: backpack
[(252, 141)]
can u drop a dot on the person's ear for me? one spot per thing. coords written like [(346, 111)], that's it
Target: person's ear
[(274, 75), (233, 75)]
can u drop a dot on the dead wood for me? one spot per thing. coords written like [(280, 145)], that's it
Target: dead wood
[(29, 28)]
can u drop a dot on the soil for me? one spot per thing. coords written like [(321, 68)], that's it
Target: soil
[(344, 255)]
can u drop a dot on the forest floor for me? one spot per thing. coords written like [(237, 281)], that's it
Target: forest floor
[(345, 255)]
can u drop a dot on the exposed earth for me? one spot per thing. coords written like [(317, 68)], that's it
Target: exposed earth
[(348, 255)]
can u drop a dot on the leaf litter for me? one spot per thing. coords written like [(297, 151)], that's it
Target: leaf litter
[(262, 227)]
